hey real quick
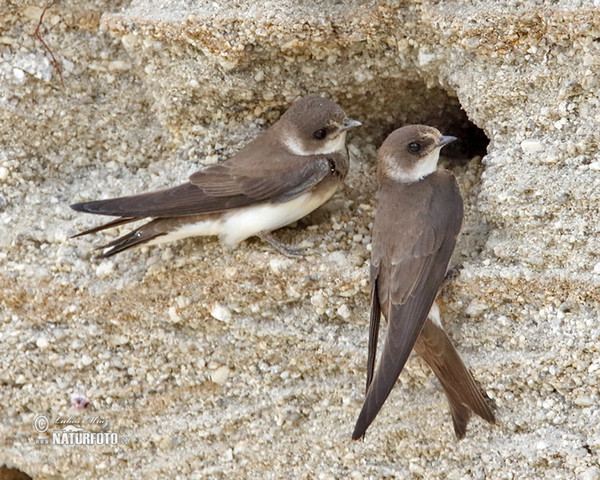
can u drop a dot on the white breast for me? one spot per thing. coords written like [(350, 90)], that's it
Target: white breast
[(243, 223)]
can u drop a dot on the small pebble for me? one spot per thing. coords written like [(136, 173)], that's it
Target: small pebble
[(86, 360), (531, 146), (221, 313), (105, 269), (220, 375), (344, 312), (592, 473)]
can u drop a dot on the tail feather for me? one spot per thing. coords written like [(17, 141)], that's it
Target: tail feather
[(463, 392), (460, 417), (143, 234), (148, 232), (104, 226)]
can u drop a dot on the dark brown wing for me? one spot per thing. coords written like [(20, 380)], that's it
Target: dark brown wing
[(413, 249), (373, 325), (285, 179), (219, 188)]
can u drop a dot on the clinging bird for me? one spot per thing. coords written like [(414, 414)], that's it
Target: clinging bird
[(419, 215), (285, 173)]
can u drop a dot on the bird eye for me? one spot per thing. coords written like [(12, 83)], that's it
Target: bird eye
[(320, 134), (414, 147)]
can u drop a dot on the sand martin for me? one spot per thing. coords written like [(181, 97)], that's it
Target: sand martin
[(419, 215), (285, 173)]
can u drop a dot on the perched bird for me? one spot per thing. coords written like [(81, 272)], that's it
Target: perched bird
[(285, 173), (419, 215)]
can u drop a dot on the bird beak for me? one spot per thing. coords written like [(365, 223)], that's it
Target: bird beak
[(349, 123), (446, 140)]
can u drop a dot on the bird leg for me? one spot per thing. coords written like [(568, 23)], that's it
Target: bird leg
[(451, 275), (280, 247)]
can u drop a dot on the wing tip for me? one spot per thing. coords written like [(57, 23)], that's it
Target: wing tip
[(97, 207), (78, 207), (359, 432), (94, 207), (365, 418)]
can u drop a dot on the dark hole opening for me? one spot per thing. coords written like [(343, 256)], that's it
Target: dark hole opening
[(453, 120), (8, 473), (414, 103)]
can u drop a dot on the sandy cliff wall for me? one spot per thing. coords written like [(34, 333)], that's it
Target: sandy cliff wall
[(215, 362)]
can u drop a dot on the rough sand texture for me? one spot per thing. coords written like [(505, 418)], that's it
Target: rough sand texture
[(217, 363)]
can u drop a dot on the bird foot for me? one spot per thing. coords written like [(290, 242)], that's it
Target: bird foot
[(452, 274), (280, 247)]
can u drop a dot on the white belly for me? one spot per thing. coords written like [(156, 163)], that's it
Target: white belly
[(434, 315), (239, 224), (203, 228)]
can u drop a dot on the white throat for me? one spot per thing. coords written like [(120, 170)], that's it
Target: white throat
[(426, 166), (330, 146)]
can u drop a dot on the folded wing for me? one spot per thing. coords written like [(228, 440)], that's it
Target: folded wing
[(412, 254), (215, 189)]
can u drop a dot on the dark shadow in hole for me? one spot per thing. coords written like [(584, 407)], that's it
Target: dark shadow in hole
[(414, 103), (453, 120), (405, 103), (7, 473)]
